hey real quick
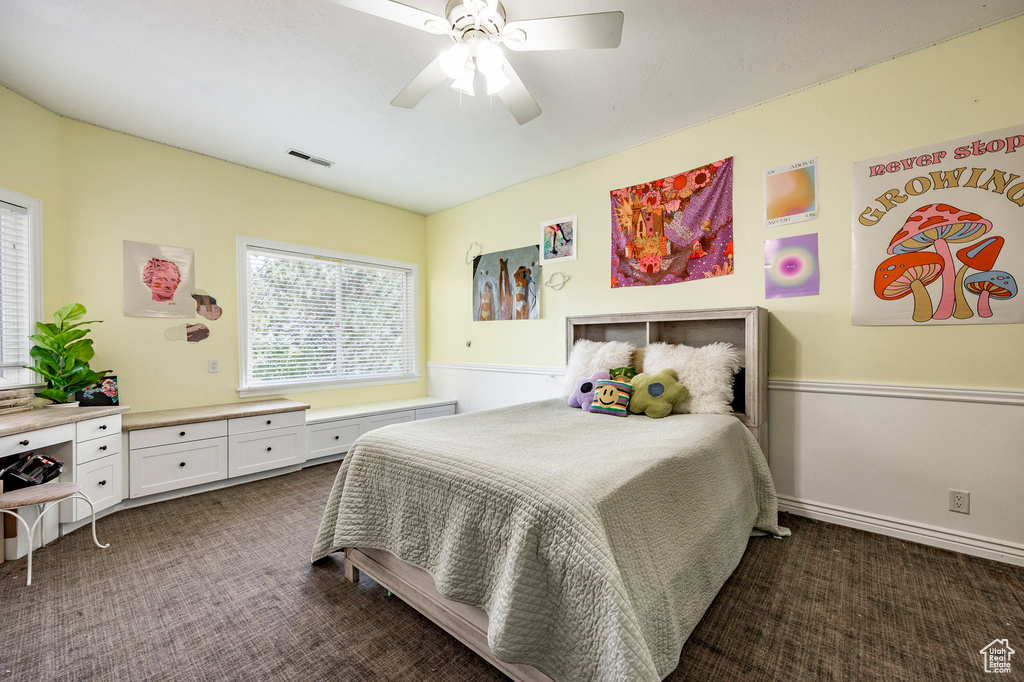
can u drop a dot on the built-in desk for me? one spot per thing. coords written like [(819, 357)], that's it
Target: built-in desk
[(87, 440), (171, 450), (146, 457)]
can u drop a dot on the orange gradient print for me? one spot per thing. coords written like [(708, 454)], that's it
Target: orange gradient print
[(789, 193)]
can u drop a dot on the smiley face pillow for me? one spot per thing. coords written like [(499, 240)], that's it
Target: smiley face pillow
[(583, 393), (656, 394), (611, 397)]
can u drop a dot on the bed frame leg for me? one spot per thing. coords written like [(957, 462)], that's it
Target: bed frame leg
[(351, 572)]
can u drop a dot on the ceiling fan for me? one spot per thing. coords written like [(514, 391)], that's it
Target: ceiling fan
[(479, 30)]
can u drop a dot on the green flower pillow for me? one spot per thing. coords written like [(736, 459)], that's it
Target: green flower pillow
[(657, 393)]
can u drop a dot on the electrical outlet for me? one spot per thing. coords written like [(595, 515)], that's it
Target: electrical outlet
[(960, 501), (214, 366)]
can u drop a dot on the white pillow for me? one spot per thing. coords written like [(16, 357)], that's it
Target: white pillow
[(589, 357), (706, 371)]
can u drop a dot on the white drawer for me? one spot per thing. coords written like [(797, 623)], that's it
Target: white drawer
[(30, 440), (431, 412), (331, 438), (264, 422), (97, 428), (166, 435), (169, 467), (101, 481), (386, 419), (98, 447), (253, 452)]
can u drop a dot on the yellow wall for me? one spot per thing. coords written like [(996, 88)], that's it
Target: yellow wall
[(100, 187), (959, 88)]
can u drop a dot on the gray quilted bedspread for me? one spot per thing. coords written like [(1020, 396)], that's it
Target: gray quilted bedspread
[(595, 543)]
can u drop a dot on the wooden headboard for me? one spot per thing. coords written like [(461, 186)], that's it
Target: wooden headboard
[(744, 328)]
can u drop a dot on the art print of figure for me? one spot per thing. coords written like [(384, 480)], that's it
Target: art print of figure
[(506, 285), (154, 277), (162, 277), (558, 240)]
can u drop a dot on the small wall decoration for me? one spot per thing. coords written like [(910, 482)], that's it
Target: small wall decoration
[(791, 193), (206, 305), (557, 280), (102, 393), (473, 251), (192, 333), (558, 240), (936, 233), (157, 280), (675, 229), (506, 285), (791, 266)]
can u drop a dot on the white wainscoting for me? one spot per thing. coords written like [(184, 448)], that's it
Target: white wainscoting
[(486, 387), (875, 457)]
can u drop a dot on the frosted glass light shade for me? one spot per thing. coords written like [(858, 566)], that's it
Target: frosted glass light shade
[(464, 83), (453, 60)]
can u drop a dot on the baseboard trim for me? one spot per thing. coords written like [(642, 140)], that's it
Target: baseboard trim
[(964, 543), (963, 395), (505, 369)]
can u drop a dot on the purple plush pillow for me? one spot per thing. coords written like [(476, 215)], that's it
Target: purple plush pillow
[(583, 392)]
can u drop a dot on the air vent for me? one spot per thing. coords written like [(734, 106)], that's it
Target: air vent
[(312, 159)]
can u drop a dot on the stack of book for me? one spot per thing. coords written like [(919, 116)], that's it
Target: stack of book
[(15, 400)]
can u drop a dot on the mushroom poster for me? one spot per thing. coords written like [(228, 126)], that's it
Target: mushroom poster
[(938, 233)]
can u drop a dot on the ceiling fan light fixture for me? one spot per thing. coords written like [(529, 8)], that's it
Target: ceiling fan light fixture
[(453, 60), (489, 58), (464, 83), (491, 61)]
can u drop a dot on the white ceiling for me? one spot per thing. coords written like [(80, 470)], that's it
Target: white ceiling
[(245, 80)]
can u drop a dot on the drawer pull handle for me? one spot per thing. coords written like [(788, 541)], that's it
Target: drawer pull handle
[(103, 482), (181, 464), (24, 442), (103, 447), (103, 427), (337, 438), (268, 422), (182, 433), (269, 449)]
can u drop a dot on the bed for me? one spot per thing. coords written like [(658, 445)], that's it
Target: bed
[(556, 543)]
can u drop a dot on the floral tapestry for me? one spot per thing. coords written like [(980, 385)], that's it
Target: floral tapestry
[(675, 229)]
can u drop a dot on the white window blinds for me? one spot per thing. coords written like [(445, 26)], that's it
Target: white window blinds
[(319, 318), (17, 310)]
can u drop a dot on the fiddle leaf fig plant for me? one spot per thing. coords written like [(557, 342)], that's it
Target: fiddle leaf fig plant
[(62, 354)]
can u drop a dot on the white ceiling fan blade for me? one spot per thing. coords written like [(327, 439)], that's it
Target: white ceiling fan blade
[(576, 32), (395, 11), (517, 98), (420, 86)]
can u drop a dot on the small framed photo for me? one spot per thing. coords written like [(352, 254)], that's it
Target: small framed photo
[(101, 394), (558, 240)]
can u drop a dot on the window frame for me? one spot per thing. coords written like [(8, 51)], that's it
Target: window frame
[(244, 391), (34, 207)]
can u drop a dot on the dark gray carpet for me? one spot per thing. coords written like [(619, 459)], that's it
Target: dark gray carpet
[(218, 587)]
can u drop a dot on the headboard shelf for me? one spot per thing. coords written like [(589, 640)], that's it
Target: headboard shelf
[(744, 328)]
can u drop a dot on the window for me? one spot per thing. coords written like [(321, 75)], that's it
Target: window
[(20, 285), (314, 319)]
